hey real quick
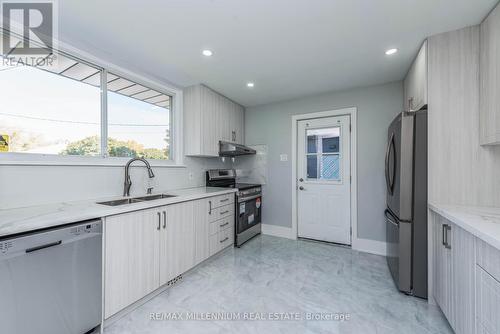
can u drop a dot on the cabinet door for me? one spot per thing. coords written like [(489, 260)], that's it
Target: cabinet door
[(210, 122), (132, 258), (489, 115), (239, 126), (177, 241), (463, 266), (442, 278), (201, 231), (415, 83)]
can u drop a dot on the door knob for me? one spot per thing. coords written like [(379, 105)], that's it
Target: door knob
[(301, 188)]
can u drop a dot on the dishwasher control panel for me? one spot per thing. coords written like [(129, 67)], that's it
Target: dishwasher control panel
[(91, 227)]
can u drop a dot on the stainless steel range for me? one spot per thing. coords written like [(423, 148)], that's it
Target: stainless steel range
[(248, 210)]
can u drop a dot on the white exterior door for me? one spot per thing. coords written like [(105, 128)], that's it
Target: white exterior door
[(323, 179)]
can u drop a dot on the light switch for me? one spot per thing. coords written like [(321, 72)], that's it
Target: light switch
[(283, 157)]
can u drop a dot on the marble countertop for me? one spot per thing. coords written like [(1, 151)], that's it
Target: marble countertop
[(27, 219), (483, 222)]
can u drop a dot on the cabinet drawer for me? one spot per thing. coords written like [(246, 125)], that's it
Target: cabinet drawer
[(221, 225), (487, 302), (221, 212), (221, 240), (488, 258), (219, 201)]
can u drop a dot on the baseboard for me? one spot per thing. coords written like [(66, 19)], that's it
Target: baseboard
[(370, 246), (277, 231)]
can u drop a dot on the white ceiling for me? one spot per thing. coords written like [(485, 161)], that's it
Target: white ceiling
[(289, 48)]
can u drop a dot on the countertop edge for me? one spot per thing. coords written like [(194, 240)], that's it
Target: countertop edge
[(65, 213), (478, 231)]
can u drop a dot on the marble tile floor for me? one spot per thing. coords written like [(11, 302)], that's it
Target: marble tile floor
[(289, 279)]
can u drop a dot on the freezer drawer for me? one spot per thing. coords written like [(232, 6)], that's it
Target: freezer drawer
[(399, 251)]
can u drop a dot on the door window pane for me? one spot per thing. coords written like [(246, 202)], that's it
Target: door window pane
[(138, 120), (323, 154), (312, 166), (330, 167), (51, 109)]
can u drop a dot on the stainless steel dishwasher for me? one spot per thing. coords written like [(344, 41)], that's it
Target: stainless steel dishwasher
[(51, 282)]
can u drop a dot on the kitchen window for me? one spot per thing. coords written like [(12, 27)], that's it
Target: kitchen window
[(49, 110), (76, 112), (138, 120)]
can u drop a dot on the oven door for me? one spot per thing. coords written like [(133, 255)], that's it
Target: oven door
[(249, 211)]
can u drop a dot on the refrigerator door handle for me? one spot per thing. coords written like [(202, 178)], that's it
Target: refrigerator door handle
[(388, 216), (389, 183)]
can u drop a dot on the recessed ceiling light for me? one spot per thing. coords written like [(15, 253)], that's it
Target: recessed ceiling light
[(391, 52), (250, 84), (207, 53)]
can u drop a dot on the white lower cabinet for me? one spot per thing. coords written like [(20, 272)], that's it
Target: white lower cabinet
[(131, 257), (465, 279), (177, 241), (487, 288), (146, 249)]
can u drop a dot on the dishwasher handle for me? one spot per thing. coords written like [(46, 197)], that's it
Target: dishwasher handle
[(37, 248)]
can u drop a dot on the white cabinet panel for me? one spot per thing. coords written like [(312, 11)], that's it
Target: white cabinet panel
[(415, 83), (442, 271), (177, 243), (208, 118), (201, 230), (131, 259), (463, 266), (487, 302), (489, 115)]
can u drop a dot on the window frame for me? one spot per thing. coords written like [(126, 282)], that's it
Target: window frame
[(176, 120)]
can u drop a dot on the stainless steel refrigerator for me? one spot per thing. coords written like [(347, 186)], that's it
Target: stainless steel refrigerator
[(406, 213)]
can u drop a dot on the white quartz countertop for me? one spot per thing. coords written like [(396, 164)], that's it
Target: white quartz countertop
[(27, 219), (483, 222)]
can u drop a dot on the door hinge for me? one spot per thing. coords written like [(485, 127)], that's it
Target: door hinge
[(350, 178), (350, 127)]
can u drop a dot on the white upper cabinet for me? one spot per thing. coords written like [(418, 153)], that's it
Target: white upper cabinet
[(415, 83), (489, 114), (208, 118)]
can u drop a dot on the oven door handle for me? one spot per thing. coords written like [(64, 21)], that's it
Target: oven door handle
[(244, 199)]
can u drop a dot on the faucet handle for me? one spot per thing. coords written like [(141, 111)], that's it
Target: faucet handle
[(150, 190)]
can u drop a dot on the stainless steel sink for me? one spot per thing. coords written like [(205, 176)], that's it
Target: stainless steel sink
[(153, 197), (120, 202), (135, 200)]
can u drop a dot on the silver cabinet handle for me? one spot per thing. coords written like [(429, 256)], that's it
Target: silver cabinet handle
[(159, 222), (209, 207), (224, 200), (224, 239), (448, 229), (443, 234), (223, 213), (164, 219), (224, 224)]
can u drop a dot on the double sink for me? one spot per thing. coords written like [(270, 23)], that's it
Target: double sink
[(132, 200)]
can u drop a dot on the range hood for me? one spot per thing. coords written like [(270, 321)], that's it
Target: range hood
[(228, 149)]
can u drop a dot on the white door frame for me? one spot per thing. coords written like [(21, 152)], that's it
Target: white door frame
[(352, 111)]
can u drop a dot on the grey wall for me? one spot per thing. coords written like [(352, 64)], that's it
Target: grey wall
[(271, 125)]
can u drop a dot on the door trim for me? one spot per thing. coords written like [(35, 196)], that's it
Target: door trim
[(352, 111)]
